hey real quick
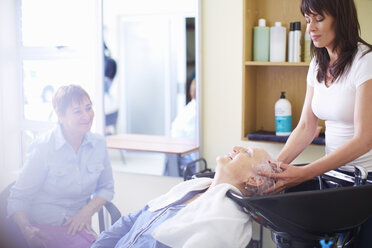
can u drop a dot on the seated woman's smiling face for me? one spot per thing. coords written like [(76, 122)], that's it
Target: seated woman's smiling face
[(78, 117)]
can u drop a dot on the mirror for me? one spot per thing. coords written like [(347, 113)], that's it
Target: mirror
[(152, 47)]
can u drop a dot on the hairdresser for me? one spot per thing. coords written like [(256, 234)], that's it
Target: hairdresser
[(339, 91)]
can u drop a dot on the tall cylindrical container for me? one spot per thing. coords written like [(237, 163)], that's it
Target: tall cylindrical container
[(290, 42), (307, 44), (283, 116), (297, 42), (261, 41), (278, 38)]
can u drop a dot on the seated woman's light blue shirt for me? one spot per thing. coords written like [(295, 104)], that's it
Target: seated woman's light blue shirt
[(56, 182)]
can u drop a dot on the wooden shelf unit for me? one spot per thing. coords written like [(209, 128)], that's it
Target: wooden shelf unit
[(263, 81)]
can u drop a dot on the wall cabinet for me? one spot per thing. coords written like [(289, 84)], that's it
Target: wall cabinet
[(263, 81)]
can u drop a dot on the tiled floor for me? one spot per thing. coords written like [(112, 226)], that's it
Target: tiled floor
[(137, 162)]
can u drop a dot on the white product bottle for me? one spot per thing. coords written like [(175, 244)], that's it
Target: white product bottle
[(307, 44), (277, 42), (297, 42), (290, 42), (283, 116)]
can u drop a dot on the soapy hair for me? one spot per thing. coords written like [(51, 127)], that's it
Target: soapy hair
[(263, 182)]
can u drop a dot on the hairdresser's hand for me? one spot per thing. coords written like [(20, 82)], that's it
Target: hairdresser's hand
[(79, 221), (289, 177), (34, 236)]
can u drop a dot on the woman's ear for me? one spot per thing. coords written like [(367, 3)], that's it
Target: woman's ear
[(255, 181)]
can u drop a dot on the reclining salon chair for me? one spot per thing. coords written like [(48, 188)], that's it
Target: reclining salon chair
[(326, 211), (321, 212)]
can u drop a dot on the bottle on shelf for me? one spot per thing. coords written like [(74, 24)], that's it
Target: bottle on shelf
[(290, 42), (283, 116), (297, 42), (277, 42), (261, 41)]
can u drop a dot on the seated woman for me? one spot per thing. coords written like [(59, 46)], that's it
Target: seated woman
[(197, 213), (66, 178)]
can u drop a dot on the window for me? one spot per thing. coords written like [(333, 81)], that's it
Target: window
[(60, 44)]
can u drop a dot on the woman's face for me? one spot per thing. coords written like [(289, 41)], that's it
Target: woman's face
[(237, 167), (78, 117), (321, 30)]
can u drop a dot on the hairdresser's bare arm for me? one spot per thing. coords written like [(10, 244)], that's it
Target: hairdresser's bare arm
[(303, 134), (354, 148)]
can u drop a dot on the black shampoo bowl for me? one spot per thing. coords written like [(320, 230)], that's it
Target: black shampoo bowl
[(314, 210)]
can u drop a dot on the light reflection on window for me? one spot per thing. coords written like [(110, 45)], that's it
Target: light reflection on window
[(51, 23)]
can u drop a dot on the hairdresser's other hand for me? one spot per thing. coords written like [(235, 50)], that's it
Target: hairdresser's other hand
[(34, 236), (79, 221), (289, 177)]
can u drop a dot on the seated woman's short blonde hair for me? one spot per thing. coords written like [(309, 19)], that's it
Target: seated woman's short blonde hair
[(66, 95)]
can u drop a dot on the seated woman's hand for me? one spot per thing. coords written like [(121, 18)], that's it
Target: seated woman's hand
[(78, 222), (34, 236), (289, 177)]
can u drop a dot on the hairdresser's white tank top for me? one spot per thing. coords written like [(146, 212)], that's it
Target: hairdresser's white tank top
[(336, 104)]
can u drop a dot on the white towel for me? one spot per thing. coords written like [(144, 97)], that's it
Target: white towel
[(212, 220), (178, 192)]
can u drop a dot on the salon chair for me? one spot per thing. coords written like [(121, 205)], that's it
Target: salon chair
[(103, 222), (319, 210)]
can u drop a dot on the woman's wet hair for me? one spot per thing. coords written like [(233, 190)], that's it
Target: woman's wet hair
[(66, 95), (262, 183)]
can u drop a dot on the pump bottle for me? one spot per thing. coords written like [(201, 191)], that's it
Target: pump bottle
[(283, 116)]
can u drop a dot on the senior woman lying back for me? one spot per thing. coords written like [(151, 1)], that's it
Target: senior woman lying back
[(197, 213)]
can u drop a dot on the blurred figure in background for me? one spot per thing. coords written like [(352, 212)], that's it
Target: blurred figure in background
[(110, 100), (184, 125)]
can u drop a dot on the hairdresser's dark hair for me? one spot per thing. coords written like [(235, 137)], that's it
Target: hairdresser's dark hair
[(66, 95), (347, 34)]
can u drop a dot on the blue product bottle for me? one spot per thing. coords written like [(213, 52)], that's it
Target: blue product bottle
[(283, 116)]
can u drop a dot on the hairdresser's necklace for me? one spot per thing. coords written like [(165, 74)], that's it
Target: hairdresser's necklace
[(328, 79)]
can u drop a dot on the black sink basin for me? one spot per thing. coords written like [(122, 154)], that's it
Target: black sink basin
[(312, 210)]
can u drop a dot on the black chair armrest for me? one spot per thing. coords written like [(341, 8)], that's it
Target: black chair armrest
[(114, 214), (187, 172)]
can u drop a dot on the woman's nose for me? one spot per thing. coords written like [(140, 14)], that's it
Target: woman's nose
[(310, 26), (86, 115)]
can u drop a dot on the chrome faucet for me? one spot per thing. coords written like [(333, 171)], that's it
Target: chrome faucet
[(360, 175)]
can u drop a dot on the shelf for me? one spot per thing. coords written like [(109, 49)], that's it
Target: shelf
[(263, 82), (259, 63), (270, 136)]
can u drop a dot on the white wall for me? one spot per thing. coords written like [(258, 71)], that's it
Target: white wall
[(364, 8), (222, 54)]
